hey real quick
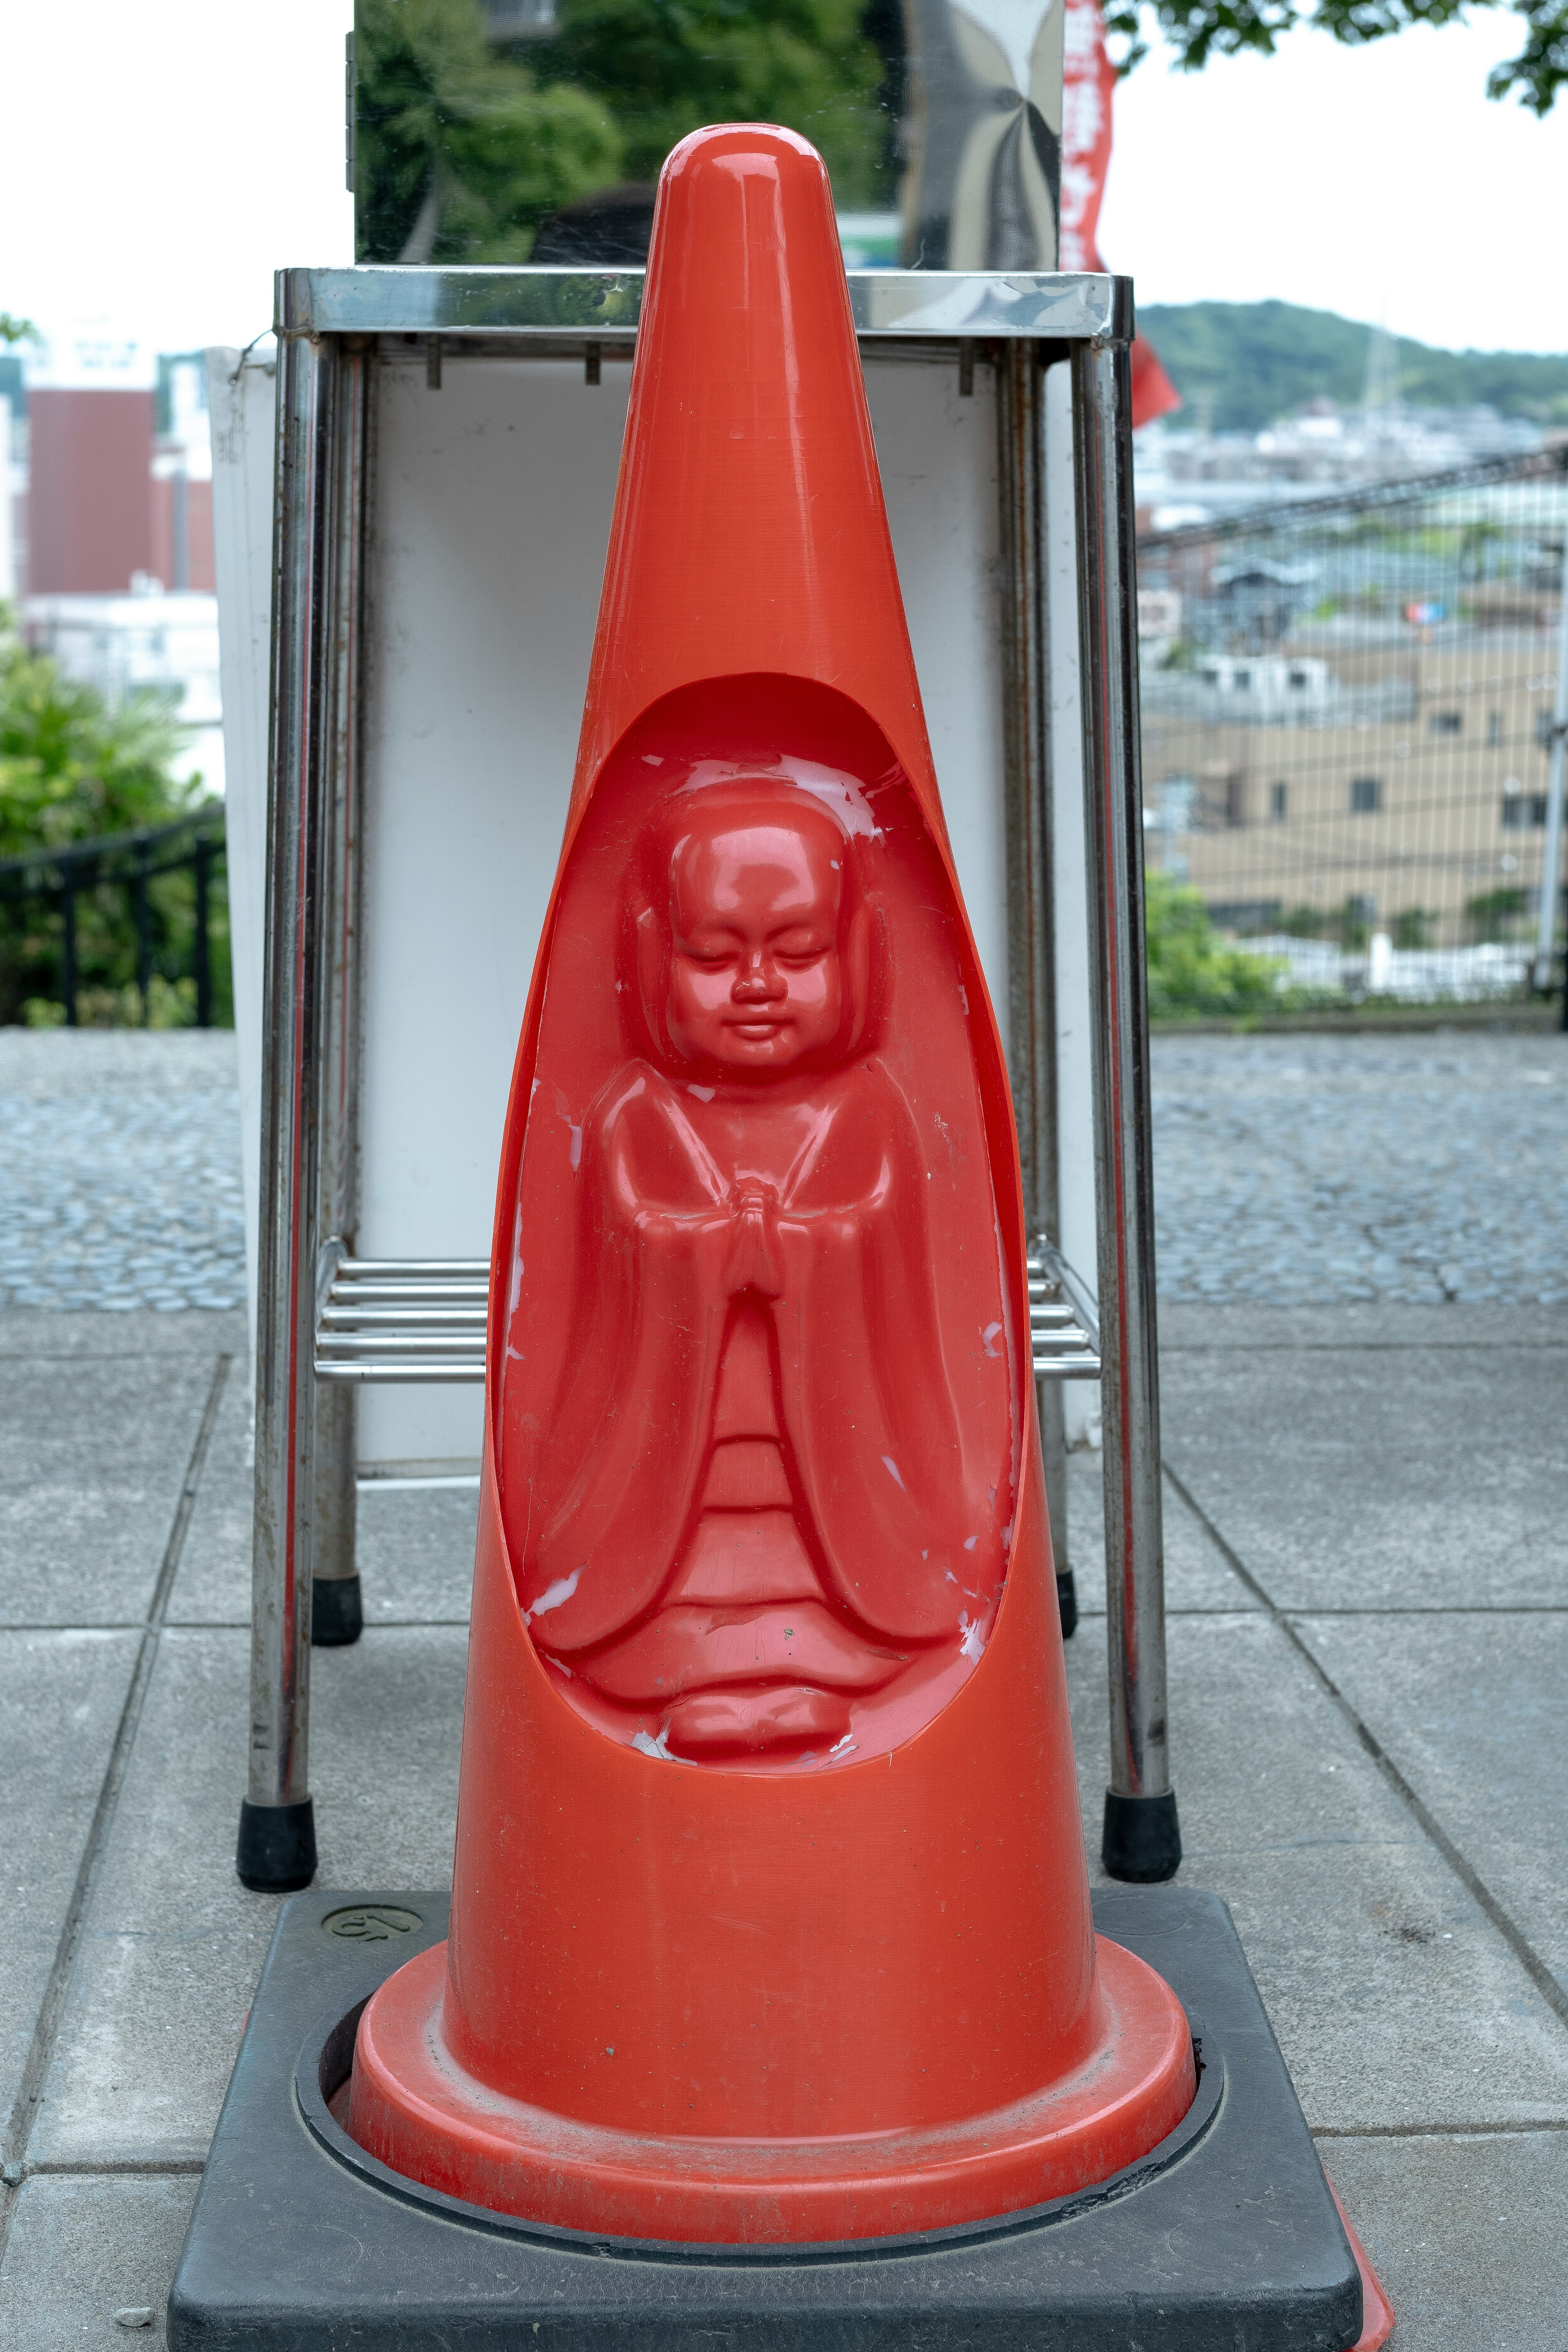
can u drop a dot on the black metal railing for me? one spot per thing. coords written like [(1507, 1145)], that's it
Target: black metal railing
[(131, 861)]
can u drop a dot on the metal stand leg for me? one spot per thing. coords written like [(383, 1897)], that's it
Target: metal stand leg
[(1143, 1838), (336, 1610), (276, 1829), (1032, 1019)]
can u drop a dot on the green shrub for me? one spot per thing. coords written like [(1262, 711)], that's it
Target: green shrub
[(1192, 970), (73, 769)]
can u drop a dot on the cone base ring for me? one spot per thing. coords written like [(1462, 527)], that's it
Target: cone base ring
[(413, 2110)]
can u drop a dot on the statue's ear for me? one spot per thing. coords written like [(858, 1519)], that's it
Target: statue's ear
[(858, 978), (650, 974)]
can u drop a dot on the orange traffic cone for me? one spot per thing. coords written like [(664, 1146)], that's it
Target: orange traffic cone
[(771, 1919)]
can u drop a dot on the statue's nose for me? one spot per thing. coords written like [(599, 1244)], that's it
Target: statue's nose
[(758, 980)]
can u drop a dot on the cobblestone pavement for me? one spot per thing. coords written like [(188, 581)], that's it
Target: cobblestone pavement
[(120, 1170), (1420, 1167), (1423, 1167)]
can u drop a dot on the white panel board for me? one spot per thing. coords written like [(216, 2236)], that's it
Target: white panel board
[(937, 450), (492, 513)]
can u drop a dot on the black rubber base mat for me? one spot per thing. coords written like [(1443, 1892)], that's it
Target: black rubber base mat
[(1224, 2236)]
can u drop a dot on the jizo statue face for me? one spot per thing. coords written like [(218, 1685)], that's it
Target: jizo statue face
[(755, 983)]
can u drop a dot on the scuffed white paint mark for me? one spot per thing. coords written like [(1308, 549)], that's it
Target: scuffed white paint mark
[(646, 1747), (986, 1337), (846, 1747), (925, 1555), (515, 1289), (555, 1595), (1007, 1537), (515, 1356), (703, 1094), (891, 1467), (576, 1154), (560, 1668), (948, 1576), (991, 1494), (970, 1542), (974, 1641), (963, 998)]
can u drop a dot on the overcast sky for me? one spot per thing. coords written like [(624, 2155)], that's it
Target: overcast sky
[(160, 159)]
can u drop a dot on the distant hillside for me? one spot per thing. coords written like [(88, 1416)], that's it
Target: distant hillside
[(1241, 365)]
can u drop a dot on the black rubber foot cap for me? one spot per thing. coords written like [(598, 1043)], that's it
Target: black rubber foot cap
[(337, 1617), (1067, 1602), (1142, 1840), (277, 1852)]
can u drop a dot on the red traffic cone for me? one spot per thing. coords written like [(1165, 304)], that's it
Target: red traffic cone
[(770, 1917)]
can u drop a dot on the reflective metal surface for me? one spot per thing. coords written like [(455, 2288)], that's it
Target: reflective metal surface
[(402, 1319), (515, 132), (309, 377), (984, 133), (1114, 814), (561, 307), (332, 1551)]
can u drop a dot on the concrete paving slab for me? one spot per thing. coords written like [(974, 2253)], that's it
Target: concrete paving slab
[(1395, 2000), (133, 1334), (416, 1544), (80, 2249), (1197, 1574), (173, 1944), (1465, 2234), (1470, 1708), (92, 1454), (61, 1695), (415, 1547), (212, 1586), (1349, 1479), (1187, 1326)]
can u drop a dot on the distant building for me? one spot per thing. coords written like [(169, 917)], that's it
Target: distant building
[(119, 471), (115, 578)]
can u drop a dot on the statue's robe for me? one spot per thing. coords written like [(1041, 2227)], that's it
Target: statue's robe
[(765, 1342)]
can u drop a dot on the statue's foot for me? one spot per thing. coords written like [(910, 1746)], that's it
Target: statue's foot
[(714, 1725)]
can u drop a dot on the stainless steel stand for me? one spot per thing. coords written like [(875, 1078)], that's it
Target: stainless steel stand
[(1142, 1839), (328, 1320)]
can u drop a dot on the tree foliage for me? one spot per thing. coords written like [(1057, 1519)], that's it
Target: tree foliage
[(1242, 366), (72, 769), (1199, 29)]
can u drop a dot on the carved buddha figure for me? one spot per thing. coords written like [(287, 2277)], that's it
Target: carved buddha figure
[(755, 1518)]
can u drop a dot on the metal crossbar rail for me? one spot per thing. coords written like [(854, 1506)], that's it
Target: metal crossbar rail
[(404, 1319), (423, 1320)]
